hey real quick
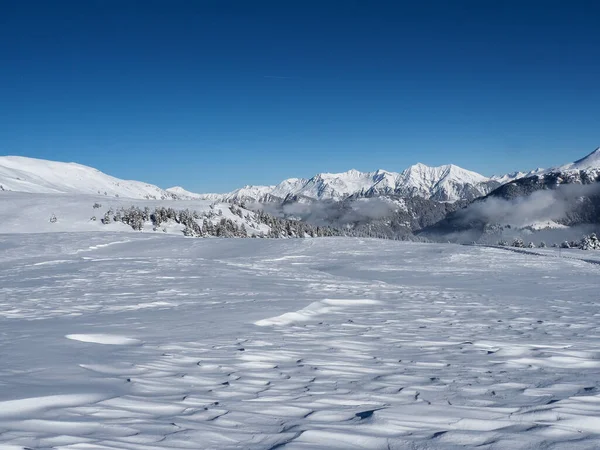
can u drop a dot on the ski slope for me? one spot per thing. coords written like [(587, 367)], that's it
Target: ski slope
[(154, 341)]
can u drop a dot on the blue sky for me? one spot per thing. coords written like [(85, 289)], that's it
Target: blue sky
[(213, 95)]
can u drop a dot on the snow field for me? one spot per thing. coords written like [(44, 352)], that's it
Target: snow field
[(154, 341)]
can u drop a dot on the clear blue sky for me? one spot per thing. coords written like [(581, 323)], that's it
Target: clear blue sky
[(213, 95)]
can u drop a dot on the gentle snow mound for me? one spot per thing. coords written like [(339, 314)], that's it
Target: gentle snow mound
[(314, 310), (106, 339)]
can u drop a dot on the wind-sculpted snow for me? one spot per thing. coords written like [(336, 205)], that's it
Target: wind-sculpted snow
[(142, 341)]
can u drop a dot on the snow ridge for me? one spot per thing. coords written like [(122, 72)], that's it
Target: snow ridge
[(591, 161), (22, 174)]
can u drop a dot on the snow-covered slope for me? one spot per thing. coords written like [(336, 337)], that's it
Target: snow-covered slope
[(187, 195), (40, 176), (589, 162), (31, 213), (443, 183)]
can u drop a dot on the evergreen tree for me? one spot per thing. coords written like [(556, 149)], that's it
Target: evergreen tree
[(518, 242)]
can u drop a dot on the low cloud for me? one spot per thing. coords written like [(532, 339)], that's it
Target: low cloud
[(520, 216), (330, 213)]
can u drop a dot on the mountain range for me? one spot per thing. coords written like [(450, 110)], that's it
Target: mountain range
[(447, 183), (443, 200), (443, 183)]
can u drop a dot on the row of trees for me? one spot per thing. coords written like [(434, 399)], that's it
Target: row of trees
[(590, 242), (212, 223)]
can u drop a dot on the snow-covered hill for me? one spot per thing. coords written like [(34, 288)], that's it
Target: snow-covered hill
[(40, 176), (32, 213), (183, 194), (443, 183)]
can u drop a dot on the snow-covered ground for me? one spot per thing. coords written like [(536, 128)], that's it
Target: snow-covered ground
[(151, 341), (23, 212)]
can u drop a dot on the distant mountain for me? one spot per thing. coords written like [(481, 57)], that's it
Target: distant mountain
[(32, 175), (181, 193), (590, 162), (555, 198), (583, 171), (507, 178), (447, 183)]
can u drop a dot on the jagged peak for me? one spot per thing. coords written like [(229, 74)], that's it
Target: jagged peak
[(351, 172)]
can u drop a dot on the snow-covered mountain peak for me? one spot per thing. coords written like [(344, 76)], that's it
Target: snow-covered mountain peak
[(445, 183), (352, 173), (184, 194), (418, 166), (591, 161), (423, 171)]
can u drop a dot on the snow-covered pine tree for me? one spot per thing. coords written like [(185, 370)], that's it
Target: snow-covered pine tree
[(590, 242), (518, 242)]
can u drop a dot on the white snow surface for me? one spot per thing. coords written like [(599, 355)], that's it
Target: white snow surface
[(33, 175), (30, 213), (153, 341)]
